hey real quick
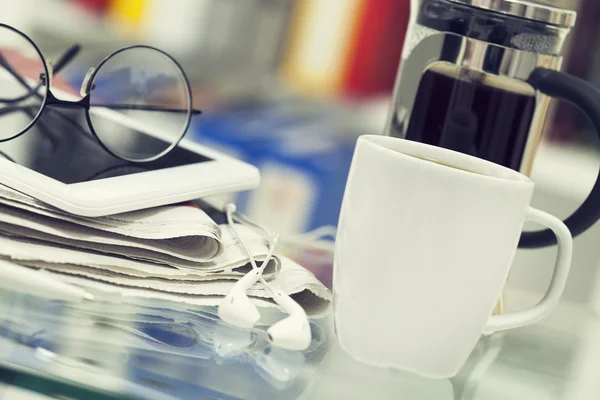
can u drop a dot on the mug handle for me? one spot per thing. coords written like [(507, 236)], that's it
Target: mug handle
[(586, 96), (557, 284)]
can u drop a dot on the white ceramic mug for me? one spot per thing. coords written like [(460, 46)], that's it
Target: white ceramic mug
[(425, 243)]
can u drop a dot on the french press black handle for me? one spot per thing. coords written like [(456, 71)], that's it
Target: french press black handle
[(587, 97)]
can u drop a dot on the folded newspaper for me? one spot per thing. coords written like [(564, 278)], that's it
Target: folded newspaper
[(175, 253)]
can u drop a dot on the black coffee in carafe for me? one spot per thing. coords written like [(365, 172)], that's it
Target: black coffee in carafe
[(474, 113)]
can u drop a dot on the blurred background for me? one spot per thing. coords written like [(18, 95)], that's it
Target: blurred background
[(289, 85)]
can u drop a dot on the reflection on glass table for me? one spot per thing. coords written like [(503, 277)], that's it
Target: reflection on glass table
[(108, 349), (149, 350)]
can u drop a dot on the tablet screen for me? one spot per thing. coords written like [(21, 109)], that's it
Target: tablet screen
[(61, 147)]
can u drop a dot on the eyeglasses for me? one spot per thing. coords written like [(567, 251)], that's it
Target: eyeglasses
[(137, 101)]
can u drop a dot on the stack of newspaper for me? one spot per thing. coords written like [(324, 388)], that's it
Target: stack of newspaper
[(175, 253)]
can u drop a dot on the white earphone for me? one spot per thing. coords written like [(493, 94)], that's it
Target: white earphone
[(293, 332), (236, 308)]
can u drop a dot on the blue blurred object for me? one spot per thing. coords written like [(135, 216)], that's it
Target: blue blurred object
[(303, 149)]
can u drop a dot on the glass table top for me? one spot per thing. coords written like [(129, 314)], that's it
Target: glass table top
[(151, 350)]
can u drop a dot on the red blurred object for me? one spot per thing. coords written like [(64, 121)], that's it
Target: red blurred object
[(375, 54), (96, 6)]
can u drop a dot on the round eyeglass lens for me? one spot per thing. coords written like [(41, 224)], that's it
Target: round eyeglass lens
[(22, 83), (140, 103)]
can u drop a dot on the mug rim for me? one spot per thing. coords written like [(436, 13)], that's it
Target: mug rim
[(450, 160)]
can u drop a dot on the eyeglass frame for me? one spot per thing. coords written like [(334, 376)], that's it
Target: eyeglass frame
[(50, 99)]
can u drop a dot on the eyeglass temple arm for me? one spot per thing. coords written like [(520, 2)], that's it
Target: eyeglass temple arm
[(66, 57), (61, 63), (17, 108), (146, 108), (26, 109), (31, 113), (29, 109), (48, 132), (12, 109)]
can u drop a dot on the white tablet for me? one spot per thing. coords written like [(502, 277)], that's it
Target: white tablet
[(59, 162)]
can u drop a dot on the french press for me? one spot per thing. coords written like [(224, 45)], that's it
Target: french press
[(477, 76)]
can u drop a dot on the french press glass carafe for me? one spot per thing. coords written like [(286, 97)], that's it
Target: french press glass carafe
[(477, 76)]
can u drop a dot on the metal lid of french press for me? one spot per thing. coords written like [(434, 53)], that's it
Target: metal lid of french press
[(526, 9)]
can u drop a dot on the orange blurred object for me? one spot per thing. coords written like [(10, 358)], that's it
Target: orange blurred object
[(346, 47), (319, 43)]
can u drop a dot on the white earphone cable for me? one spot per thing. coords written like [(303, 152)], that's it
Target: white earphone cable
[(273, 239)]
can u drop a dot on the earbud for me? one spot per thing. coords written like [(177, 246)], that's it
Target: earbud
[(293, 332), (230, 208), (237, 308)]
